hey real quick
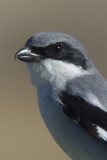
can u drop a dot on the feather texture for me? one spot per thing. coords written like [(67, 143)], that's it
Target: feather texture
[(92, 118)]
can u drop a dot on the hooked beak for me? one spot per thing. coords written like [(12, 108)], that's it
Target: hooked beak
[(26, 55)]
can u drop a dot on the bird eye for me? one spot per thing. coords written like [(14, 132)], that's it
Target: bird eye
[(57, 48)]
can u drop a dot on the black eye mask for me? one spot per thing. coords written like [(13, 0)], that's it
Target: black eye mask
[(61, 51)]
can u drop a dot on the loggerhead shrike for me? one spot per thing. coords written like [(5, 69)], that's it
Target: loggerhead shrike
[(72, 94)]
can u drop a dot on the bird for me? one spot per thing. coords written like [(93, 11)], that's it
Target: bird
[(72, 94)]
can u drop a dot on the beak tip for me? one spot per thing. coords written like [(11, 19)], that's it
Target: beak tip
[(16, 55), (24, 55)]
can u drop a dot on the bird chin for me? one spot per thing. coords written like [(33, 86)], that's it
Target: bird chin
[(38, 74)]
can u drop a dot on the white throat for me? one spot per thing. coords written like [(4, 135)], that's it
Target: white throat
[(55, 72)]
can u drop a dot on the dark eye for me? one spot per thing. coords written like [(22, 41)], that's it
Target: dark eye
[(57, 48)]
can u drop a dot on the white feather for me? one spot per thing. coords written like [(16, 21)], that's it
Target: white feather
[(102, 133), (56, 72)]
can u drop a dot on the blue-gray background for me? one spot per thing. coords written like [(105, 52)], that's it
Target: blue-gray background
[(23, 135)]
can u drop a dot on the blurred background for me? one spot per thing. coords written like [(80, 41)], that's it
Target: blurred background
[(23, 134)]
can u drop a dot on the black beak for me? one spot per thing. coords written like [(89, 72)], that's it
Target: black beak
[(26, 55)]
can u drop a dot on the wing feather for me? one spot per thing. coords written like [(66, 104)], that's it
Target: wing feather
[(91, 117)]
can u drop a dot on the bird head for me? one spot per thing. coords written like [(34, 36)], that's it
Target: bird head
[(54, 57)]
